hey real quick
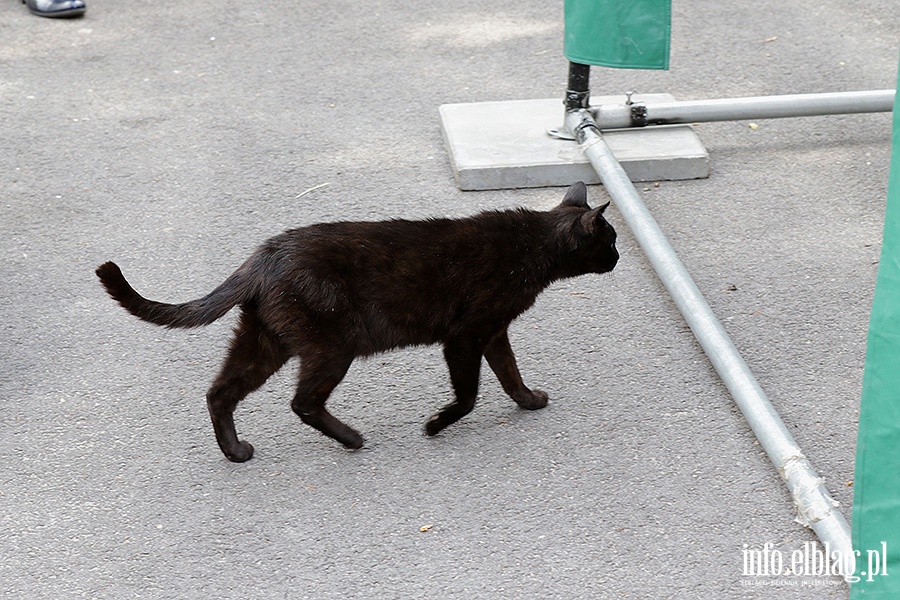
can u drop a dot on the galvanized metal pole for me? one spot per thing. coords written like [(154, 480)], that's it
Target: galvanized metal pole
[(816, 507), (638, 114)]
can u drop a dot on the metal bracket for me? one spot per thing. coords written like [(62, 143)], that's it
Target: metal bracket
[(638, 113), (576, 99)]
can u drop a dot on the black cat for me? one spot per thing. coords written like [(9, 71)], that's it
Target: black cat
[(331, 292)]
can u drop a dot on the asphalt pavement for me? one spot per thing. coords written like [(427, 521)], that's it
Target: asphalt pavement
[(174, 137)]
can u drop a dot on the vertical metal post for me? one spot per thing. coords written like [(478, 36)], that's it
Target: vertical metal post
[(578, 93), (816, 507)]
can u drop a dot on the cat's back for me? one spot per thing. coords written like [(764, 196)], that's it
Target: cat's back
[(397, 240), (398, 258)]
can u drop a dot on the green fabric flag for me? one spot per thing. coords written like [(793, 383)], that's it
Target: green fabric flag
[(876, 499), (624, 34)]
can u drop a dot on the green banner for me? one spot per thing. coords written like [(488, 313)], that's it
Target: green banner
[(624, 34), (876, 499)]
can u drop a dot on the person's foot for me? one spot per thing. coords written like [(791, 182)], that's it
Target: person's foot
[(56, 8)]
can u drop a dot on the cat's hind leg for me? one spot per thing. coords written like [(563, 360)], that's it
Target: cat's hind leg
[(502, 361), (255, 354), (320, 373), (464, 361)]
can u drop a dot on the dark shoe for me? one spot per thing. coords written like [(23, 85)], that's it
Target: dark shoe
[(56, 8)]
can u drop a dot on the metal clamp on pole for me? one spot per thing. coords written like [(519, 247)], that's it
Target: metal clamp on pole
[(578, 122), (638, 113)]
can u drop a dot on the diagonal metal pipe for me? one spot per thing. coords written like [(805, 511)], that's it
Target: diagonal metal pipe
[(817, 509)]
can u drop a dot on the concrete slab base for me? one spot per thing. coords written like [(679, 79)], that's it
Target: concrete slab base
[(502, 145)]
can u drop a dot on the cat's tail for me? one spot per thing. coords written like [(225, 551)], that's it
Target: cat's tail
[(238, 288)]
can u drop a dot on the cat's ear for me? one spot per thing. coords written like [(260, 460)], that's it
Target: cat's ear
[(590, 218), (576, 196)]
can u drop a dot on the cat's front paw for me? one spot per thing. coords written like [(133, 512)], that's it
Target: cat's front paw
[(352, 441), (434, 425), (241, 453), (534, 400)]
